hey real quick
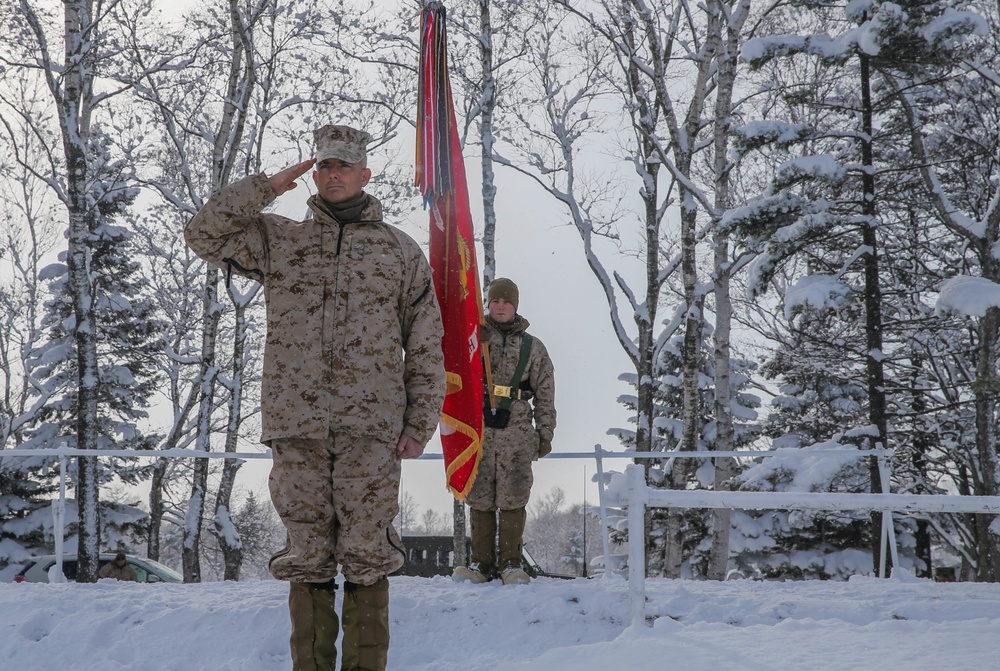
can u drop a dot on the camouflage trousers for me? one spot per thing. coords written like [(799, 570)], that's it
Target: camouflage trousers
[(337, 498)]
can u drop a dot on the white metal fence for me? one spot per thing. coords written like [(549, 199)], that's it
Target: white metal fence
[(636, 497)]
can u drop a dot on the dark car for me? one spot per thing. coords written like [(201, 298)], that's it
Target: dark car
[(146, 570), (429, 556)]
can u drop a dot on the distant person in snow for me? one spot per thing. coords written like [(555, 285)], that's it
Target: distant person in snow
[(347, 296), (520, 422), (119, 569)]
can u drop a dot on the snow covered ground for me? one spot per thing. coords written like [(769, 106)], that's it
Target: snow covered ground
[(549, 625)]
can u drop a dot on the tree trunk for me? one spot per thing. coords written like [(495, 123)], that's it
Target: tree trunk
[(190, 552), (156, 509), (724, 441), (75, 109), (874, 368), (919, 449), (242, 80), (690, 369), (487, 105), (985, 477), (225, 531), (644, 122), (458, 546)]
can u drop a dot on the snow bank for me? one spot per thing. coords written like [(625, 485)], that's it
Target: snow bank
[(550, 624)]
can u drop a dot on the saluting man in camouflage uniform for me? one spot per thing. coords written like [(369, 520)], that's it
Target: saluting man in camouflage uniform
[(347, 295), (518, 433)]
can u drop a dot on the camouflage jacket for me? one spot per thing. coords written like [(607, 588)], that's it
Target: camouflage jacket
[(344, 302), (504, 478), (112, 570)]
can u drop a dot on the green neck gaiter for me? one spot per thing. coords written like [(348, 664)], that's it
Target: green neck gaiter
[(506, 328), (347, 212)]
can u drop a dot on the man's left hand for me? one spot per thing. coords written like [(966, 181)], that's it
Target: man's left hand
[(544, 447), (408, 448)]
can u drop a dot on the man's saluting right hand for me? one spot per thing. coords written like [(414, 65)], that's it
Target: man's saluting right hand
[(285, 180)]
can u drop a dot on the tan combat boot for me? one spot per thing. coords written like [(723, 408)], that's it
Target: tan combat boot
[(483, 562), (509, 557), (314, 626), (366, 626), (470, 573)]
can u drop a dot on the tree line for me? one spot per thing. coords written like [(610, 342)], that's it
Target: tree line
[(810, 190)]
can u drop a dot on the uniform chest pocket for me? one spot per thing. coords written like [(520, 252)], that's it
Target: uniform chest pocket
[(295, 303), (374, 286)]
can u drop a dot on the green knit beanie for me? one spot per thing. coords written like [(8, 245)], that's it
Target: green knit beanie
[(503, 288)]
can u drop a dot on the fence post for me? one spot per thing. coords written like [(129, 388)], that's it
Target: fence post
[(636, 543), (605, 538), (888, 531), (59, 518)]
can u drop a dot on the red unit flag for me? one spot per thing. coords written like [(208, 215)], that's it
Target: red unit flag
[(440, 174)]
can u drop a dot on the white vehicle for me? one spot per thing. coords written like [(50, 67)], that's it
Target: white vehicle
[(146, 570)]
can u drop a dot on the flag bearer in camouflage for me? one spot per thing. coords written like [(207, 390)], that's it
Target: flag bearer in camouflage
[(347, 295), (519, 432)]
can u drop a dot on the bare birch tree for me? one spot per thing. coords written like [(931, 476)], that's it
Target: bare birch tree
[(631, 54), (77, 57), (733, 17)]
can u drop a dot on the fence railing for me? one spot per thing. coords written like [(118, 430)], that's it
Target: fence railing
[(636, 496)]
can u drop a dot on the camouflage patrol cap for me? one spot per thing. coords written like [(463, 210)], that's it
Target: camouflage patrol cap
[(503, 288), (343, 142)]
